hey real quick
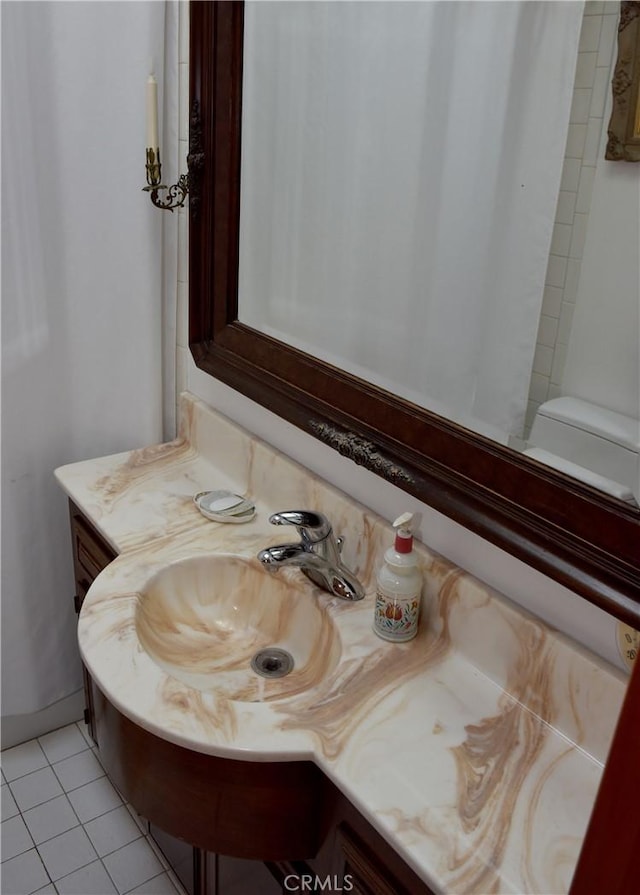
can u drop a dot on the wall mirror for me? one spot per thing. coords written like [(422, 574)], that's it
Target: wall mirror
[(559, 525), (624, 126)]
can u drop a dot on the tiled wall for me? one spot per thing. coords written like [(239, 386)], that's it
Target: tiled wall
[(595, 57)]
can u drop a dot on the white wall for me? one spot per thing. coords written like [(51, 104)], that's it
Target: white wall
[(603, 355), (81, 316), (555, 604)]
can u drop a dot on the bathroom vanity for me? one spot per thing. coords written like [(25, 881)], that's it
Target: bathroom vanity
[(272, 811), (467, 760)]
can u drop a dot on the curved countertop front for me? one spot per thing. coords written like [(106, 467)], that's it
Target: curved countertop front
[(475, 749)]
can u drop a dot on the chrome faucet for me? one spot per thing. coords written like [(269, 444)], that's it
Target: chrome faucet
[(317, 554)]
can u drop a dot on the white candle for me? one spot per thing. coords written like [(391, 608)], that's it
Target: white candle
[(152, 113)]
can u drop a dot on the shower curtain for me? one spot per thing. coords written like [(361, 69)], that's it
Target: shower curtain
[(83, 311), (400, 171)]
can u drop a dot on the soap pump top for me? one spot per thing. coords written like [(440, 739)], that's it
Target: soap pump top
[(402, 555)]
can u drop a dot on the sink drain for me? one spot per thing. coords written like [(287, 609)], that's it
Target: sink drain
[(272, 662)]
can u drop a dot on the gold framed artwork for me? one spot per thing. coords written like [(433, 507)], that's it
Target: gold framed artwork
[(624, 127)]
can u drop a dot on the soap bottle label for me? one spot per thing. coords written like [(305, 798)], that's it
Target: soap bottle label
[(396, 618)]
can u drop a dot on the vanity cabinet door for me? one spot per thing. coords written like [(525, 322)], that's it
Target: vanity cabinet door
[(355, 858), (360, 869), (91, 554)]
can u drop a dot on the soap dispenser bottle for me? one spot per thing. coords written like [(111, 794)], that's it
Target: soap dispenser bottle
[(399, 587)]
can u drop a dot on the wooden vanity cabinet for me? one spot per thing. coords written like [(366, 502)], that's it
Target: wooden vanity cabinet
[(260, 810), (91, 554), (212, 811), (356, 857)]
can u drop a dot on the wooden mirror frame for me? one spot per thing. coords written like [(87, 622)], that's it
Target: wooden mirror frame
[(565, 529), (624, 126)]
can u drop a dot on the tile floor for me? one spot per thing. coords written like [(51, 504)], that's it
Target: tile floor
[(66, 830)]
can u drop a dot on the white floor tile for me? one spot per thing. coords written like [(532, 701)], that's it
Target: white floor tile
[(132, 865), (35, 808), (90, 880), (23, 759), (66, 853), (78, 770), (9, 807), (140, 821), (15, 838), (35, 788), (50, 819), (160, 855), (96, 752), (84, 730), (24, 874), (94, 799), (159, 885), (63, 743), (180, 889), (111, 831)]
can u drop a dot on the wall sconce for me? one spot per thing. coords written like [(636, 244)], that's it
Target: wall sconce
[(188, 184)]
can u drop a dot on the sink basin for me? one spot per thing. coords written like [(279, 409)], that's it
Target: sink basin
[(203, 619)]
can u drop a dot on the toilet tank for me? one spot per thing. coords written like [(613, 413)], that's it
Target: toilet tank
[(601, 440)]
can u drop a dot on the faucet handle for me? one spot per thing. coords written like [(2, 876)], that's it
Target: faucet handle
[(311, 526)]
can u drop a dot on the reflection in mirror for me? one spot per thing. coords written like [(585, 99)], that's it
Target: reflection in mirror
[(624, 126), (555, 523), (397, 202)]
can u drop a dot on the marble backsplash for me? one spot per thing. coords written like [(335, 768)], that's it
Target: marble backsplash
[(500, 639)]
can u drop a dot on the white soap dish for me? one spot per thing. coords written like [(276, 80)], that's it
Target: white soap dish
[(225, 506)]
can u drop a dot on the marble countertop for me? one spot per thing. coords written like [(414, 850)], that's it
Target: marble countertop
[(475, 750)]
